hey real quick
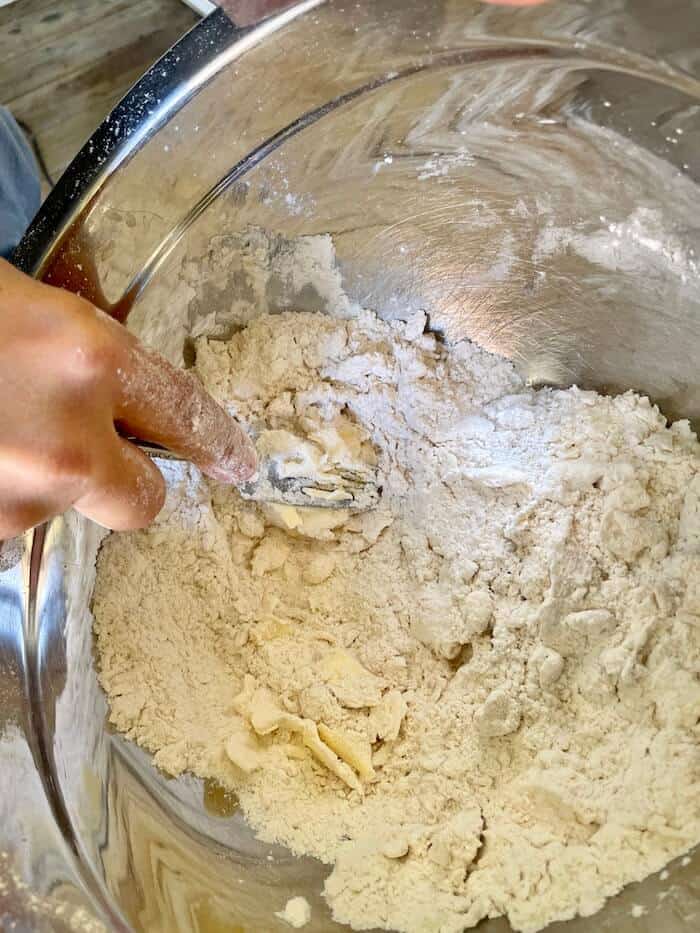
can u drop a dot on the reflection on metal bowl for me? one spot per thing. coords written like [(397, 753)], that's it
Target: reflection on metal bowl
[(529, 177)]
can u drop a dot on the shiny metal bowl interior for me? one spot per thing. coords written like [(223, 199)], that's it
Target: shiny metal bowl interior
[(529, 178)]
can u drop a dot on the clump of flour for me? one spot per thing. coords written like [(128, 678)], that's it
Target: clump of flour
[(482, 698), (297, 912)]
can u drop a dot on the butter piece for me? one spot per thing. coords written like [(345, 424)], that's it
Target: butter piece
[(386, 718), (352, 749), (267, 716), (353, 685), (243, 750)]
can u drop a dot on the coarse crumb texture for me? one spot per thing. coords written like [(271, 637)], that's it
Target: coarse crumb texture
[(481, 699)]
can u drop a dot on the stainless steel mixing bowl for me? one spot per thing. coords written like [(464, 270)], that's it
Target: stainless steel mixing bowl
[(528, 177)]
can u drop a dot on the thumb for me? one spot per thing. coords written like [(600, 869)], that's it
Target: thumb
[(126, 489)]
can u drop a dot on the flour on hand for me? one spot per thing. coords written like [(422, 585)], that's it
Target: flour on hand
[(482, 698)]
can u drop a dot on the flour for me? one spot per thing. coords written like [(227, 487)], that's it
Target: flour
[(641, 244), (480, 699), (23, 909), (297, 912)]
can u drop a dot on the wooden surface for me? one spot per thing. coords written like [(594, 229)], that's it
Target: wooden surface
[(63, 65)]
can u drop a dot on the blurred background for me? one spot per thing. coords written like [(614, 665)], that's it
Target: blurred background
[(64, 66)]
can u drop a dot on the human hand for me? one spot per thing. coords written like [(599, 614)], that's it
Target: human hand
[(69, 375)]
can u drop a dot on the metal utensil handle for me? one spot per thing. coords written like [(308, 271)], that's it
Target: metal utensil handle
[(155, 450)]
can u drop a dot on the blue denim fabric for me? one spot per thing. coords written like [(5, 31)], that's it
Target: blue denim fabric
[(20, 189)]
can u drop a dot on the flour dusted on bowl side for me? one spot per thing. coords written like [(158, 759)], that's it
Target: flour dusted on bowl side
[(482, 698)]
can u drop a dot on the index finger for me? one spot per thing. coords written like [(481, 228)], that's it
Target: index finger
[(158, 402)]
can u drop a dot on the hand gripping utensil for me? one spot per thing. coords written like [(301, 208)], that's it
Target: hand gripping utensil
[(335, 488)]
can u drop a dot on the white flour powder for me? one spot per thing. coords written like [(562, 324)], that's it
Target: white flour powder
[(481, 699)]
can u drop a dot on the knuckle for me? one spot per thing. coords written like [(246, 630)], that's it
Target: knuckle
[(92, 357), (95, 349), (67, 465)]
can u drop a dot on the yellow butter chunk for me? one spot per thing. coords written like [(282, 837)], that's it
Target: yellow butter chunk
[(355, 751), (353, 685), (326, 755), (243, 750), (266, 716), (288, 515), (386, 718)]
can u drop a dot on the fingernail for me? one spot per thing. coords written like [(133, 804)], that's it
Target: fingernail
[(239, 461)]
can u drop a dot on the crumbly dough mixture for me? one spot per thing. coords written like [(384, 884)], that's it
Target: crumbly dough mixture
[(481, 699)]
